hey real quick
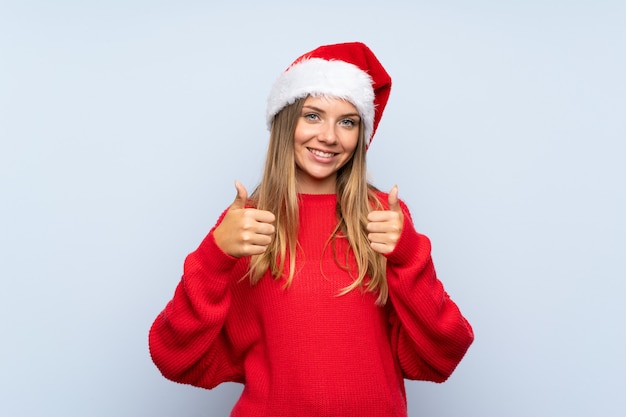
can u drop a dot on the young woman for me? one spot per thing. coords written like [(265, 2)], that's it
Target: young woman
[(317, 293)]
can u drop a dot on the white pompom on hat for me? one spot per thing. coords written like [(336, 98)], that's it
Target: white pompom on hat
[(349, 71)]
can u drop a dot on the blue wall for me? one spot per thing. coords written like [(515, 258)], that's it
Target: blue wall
[(123, 125)]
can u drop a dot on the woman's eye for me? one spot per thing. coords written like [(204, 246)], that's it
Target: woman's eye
[(311, 116), (348, 122)]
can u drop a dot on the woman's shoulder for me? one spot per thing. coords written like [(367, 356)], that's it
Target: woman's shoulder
[(380, 199)]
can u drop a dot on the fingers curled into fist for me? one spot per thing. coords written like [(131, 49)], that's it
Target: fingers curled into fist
[(244, 231), (385, 226)]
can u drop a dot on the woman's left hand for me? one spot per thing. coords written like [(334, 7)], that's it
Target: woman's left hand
[(385, 226)]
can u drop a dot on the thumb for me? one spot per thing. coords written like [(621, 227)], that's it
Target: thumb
[(394, 204), (242, 196)]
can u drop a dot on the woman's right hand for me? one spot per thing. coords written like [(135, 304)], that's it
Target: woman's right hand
[(244, 231)]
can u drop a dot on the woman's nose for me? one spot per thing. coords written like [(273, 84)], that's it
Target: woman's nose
[(328, 134)]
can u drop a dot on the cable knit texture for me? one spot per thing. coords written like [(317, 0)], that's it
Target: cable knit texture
[(305, 351)]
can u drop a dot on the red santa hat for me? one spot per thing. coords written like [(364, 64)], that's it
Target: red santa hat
[(349, 71)]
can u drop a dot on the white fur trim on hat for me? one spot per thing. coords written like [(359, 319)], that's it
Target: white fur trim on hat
[(320, 77)]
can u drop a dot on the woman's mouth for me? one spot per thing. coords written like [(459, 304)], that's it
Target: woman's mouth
[(321, 154)]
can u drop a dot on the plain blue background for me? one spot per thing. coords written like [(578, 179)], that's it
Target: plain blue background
[(123, 125)]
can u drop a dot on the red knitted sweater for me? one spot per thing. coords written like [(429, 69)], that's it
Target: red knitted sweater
[(305, 351)]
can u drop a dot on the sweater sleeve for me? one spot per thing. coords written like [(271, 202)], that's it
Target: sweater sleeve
[(187, 340), (428, 332)]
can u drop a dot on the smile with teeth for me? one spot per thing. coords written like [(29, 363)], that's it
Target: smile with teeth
[(321, 153)]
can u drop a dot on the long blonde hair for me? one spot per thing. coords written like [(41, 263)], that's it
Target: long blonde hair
[(277, 193)]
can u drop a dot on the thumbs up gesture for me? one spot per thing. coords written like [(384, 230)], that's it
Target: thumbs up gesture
[(244, 231), (385, 226)]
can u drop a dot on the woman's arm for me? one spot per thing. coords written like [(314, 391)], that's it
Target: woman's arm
[(428, 332), (187, 340)]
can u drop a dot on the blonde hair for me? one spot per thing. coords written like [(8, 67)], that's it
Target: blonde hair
[(277, 193)]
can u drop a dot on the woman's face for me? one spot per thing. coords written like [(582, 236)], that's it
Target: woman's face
[(325, 138)]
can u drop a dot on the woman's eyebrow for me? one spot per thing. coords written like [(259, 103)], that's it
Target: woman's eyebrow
[(316, 109)]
